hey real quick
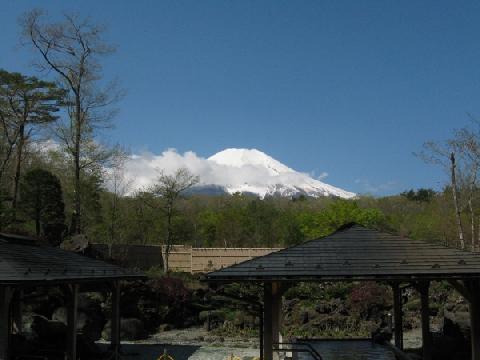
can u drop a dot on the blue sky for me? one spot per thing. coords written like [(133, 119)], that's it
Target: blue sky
[(351, 88)]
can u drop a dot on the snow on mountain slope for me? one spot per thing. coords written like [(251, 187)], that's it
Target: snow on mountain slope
[(229, 171), (249, 157), (262, 175)]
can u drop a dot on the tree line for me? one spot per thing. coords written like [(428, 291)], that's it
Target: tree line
[(58, 179)]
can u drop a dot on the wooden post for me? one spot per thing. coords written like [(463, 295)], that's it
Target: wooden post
[(5, 300), (115, 321), (261, 332), (474, 307), (276, 316), (398, 315), (471, 291), (72, 322), (17, 311), (426, 336), (267, 322)]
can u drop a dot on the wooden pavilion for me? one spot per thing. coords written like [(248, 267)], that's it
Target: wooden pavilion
[(26, 264), (355, 253)]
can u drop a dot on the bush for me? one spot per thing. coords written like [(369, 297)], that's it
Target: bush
[(368, 296)]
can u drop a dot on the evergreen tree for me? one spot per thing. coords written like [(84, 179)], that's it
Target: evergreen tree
[(27, 102), (41, 200)]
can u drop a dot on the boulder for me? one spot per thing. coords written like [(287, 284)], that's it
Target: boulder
[(212, 319), (78, 243), (456, 324), (130, 329), (90, 325), (49, 331), (44, 303)]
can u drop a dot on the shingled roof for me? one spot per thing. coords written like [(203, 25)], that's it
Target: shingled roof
[(357, 253), (24, 260)]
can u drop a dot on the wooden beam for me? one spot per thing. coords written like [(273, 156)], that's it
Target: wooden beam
[(267, 322), (115, 321), (5, 300), (72, 319), (423, 288), (398, 315)]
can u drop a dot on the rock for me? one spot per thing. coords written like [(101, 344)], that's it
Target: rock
[(44, 303), (322, 308), (78, 243), (305, 317), (130, 329), (49, 331), (212, 319), (382, 336), (27, 322), (456, 325), (89, 324), (164, 327)]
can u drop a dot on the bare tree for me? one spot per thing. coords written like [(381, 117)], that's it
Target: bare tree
[(468, 143), (169, 189), (72, 48), (461, 156), (119, 185), (445, 155)]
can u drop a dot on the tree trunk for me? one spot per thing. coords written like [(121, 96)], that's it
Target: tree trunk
[(472, 222), (76, 215), (18, 168), (456, 201), (113, 218), (478, 231), (37, 222), (470, 203), (168, 237)]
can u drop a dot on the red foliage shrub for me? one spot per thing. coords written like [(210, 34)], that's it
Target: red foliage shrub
[(367, 296), (170, 290)]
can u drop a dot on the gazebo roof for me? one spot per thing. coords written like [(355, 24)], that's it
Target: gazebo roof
[(356, 253), (23, 260)]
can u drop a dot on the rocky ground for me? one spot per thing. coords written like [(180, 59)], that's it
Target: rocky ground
[(197, 322), (191, 344)]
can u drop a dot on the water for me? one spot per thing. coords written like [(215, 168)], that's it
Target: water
[(349, 350)]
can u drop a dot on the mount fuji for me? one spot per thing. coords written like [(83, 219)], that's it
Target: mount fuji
[(254, 172)]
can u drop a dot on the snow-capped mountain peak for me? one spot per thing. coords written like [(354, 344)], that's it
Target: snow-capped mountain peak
[(249, 157), (262, 175)]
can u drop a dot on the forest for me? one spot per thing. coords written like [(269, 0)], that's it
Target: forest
[(58, 178)]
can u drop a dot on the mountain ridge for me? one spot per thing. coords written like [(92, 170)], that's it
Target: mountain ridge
[(279, 180)]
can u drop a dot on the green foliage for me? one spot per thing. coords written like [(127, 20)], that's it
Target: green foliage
[(421, 195), (41, 200), (6, 214), (338, 213)]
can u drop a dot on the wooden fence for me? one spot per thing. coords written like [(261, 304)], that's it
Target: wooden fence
[(182, 258), (209, 259)]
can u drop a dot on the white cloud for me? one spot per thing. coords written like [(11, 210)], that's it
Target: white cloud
[(244, 170), (142, 170), (322, 176)]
